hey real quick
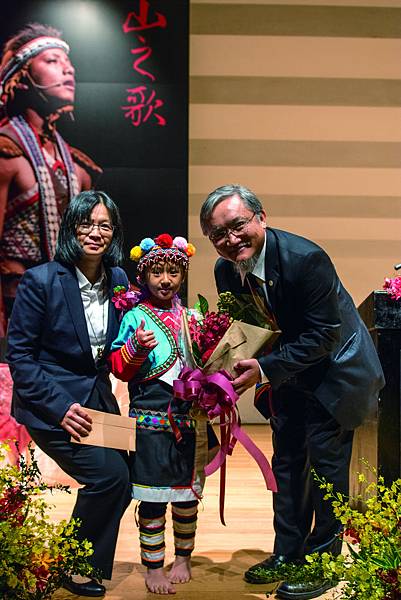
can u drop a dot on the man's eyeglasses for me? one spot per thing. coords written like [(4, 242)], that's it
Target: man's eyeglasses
[(87, 227), (220, 235)]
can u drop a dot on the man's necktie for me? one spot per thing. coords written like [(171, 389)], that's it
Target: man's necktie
[(263, 393), (260, 299)]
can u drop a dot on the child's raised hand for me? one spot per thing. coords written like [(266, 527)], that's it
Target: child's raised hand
[(146, 337)]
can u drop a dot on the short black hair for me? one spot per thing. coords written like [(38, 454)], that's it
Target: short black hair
[(68, 249)]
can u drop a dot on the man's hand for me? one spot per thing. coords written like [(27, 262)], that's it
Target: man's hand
[(249, 375), (77, 422), (146, 337)]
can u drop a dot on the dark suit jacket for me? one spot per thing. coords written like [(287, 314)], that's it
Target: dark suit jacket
[(49, 352), (324, 344)]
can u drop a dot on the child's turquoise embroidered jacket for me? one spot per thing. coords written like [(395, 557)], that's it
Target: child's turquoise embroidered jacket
[(129, 360)]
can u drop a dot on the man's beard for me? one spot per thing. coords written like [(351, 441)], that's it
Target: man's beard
[(246, 266)]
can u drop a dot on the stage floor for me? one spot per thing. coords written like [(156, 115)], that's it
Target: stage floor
[(222, 554)]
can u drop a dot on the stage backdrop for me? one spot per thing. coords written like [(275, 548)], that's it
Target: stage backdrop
[(131, 115), (300, 101)]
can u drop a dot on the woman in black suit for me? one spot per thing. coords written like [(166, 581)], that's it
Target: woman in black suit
[(61, 328)]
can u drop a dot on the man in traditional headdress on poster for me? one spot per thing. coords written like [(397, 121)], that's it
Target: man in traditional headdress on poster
[(39, 172)]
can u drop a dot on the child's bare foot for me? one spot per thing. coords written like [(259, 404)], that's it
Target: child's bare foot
[(157, 582), (181, 570)]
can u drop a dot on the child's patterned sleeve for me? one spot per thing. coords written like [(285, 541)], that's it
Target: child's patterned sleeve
[(127, 355)]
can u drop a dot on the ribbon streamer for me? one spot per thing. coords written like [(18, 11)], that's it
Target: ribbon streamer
[(216, 396)]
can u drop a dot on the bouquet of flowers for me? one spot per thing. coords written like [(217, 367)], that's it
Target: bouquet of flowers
[(36, 555), (206, 329), (220, 339), (392, 285), (216, 341)]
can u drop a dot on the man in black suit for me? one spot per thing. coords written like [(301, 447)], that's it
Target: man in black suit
[(324, 371)]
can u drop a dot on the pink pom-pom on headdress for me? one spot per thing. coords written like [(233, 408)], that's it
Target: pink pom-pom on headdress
[(181, 243)]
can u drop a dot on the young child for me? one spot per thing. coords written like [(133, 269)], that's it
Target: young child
[(149, 353)]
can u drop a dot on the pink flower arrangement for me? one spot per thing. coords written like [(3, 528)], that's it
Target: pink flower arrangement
[(393, 287), (206, 334), (124, 299)]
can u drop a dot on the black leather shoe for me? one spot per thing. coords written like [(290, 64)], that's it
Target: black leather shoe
[(90, 588), (304, 590), (263, 572)]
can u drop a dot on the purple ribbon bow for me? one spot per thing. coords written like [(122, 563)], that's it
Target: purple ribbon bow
[(216, 396)]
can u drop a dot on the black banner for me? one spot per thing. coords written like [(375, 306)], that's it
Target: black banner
[(131, 101)]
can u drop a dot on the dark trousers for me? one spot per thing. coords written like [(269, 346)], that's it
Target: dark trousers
[(105, 494), (305, 437)]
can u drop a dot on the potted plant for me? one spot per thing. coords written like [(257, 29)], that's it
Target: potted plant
[(370, 569), (35, 554)]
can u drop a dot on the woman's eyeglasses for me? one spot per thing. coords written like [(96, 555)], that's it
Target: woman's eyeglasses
[(87, 227)]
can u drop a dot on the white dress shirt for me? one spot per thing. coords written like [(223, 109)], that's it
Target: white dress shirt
[(259, 269), (96, 307)]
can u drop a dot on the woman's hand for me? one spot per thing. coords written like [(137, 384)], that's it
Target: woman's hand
[(77, 422), (145, 337)]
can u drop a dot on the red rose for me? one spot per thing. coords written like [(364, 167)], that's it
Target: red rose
[(206, 355), (164, 240)]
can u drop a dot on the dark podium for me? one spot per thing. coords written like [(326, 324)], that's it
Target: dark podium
[(379, 439)]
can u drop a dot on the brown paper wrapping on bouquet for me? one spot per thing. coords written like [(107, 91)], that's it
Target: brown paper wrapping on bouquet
[(110, 431), (240, 342)]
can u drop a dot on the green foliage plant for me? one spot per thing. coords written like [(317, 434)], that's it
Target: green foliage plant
[(371, 567), (371, 570), (36, 555), (241, 307)]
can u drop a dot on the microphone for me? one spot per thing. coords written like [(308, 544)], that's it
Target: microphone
[(47, 87), (44, 87)]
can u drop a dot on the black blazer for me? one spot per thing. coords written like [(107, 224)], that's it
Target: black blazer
[(49, 352), (324, 344)]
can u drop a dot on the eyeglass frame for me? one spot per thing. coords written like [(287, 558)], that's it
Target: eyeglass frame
[(231, 231), (91, 227)]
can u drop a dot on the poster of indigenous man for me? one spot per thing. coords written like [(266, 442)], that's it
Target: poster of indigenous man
[(91, 95)]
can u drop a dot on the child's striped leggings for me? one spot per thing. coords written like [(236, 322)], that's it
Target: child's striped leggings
[(152, 520)]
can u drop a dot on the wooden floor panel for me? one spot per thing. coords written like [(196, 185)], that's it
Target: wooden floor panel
[(222, 554)]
